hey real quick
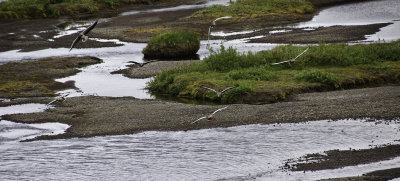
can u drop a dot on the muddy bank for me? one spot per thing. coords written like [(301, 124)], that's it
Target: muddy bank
[(334, 159), (378, 175), (92, 116), (152, 69), (333, 34), (31, 35), (37, 78)]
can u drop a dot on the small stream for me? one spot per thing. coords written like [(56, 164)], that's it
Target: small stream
[(236, 153)]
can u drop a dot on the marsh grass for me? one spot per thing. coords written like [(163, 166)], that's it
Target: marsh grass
[(256, 8), (16, 9), (318, 76), (323, 67)]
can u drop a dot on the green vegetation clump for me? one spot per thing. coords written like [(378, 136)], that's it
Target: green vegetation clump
[(317, 76), (256, 8), (16, 9), (176, 44), (344, 55), (33, 79), (322, 67)]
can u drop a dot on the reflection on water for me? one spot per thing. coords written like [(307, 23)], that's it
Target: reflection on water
[(241, 152)]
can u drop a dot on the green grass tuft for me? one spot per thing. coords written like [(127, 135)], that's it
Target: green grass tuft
[(176, 44), (318, 76)]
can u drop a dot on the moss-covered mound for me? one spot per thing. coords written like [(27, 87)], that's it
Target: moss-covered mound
[(177, 44), (256, 80)]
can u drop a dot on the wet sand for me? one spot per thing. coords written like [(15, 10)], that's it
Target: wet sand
[(334, 159), (378, 175)]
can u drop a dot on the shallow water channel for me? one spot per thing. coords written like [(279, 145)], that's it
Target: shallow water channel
[(236, 153)]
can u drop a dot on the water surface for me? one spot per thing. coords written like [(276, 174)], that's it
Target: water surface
[(242, 152), (363, 13)]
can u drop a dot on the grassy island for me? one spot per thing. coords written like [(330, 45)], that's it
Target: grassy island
[(322, 67)]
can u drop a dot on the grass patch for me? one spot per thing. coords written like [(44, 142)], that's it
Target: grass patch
[(256, 8), (16, 9), (344, 55), (176, 44), (33, 79), (318, 76), (323, 67)]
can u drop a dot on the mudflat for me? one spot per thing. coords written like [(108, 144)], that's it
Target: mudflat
[(92, 116)]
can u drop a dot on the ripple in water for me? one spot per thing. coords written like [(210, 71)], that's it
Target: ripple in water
[(242, 152)]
